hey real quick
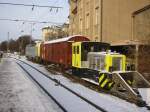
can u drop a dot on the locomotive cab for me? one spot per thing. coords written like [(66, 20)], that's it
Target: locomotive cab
[(80, 52)]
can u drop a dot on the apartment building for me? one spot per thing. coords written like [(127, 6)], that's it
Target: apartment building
[(105, 20), (123, 23), (53, 32)]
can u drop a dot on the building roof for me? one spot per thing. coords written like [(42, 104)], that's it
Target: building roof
[(61, 39)]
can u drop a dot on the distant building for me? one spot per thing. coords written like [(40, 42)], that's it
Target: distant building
[(53, 32), (47, 33), (65, 29), (123, 23)]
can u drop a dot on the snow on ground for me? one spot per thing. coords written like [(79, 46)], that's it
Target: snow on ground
[(19, 94), (71, 102), (145, 93), (108, 102)]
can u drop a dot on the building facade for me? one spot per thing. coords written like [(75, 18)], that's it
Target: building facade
[(125, 24), (105, 20), (53, 32), (46, 33)]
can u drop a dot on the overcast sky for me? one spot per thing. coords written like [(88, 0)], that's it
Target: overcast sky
[(17, 29)]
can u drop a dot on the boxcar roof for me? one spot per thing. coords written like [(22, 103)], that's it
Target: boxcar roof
[(63, 39)]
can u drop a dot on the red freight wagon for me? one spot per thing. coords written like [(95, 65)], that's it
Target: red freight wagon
[(59, 51)]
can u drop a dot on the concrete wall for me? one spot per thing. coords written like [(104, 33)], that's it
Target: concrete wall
[(141, 24), (118, 21)]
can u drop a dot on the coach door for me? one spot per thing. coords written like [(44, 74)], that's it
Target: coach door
[(76, 54)]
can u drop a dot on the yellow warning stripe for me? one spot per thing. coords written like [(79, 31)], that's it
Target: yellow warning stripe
[(129, 82), (104, 83), (101, 78), (110, 84)]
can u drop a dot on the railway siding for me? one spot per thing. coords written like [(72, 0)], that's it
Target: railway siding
[(69, 101), (110, 103), (19, 94)]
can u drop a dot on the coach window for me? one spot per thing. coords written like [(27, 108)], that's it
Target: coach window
[(74, 49), (77, 49)]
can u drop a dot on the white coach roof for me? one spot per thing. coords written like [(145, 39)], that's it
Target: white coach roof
[(60, 40)]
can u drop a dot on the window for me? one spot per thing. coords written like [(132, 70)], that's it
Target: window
[(87, 21), (96, 15), (87, 5), (77, 49), (74, 49), (81, 24), (102, 63), (117, 63)]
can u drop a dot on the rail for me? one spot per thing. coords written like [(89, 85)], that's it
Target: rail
[(62, 85)]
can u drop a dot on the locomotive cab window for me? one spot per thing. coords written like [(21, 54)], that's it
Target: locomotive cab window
[(117, 63), (87, 47)]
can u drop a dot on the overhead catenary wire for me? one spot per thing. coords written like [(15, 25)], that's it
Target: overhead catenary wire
[(25, 21), (31, 5), (50, 10), (30, 21)]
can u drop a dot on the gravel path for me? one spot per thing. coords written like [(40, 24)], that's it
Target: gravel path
[(19, 94)]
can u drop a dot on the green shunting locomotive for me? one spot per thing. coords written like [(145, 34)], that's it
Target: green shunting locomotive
[(92, 61)]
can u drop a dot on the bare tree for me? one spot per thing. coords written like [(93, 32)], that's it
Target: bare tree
[(3, 46), (22, 41)]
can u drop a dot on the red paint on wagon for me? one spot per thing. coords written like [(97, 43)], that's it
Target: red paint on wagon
[(59, 51)]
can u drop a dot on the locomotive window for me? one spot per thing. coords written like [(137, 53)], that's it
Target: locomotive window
[(102, 62), (77, 49), (92, 47)]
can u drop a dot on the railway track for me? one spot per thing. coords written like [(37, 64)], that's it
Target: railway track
[(94, 86), (25, 66), (56, 80)]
